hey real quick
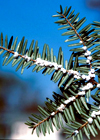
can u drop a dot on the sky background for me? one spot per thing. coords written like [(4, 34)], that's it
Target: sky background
[(33, 19)]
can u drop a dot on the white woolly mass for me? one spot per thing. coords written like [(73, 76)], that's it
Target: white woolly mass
[(76, 132), (87, 53), (49, 63), (70, 71), (38, 61), (53, 113), (41, 62), (87, 87), (98, 85), (90, 85), (63, 70), (78, 77), (46, 63), (81, 93), (27, 58), (98, 113), (61, 107), (87, 77), (55, 66), (93, 115), (92, 70), (15, 54), (67, 101), (59, 66), (83, 76), (75, 76), (91, 74), (90, 120), (76, 72), (72, 98), (89, 57), (88, 61), (80, 41), (84, 48)]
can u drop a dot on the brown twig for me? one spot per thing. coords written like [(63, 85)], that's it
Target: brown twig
[(10, 51), (74, 29), (46, 119), (75, 32), (80, 127), (57, 111)]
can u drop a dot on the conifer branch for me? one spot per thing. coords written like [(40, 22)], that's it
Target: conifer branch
[(42, 62), (73, 29), (94, 114), (12, 52), (49, 64), (77, 131), (62, 107), (82, 41), (46, 119), (76, 80)]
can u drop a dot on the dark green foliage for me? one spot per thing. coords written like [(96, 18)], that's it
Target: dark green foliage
[(70, 110)]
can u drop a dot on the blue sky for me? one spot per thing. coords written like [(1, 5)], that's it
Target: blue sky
[(33, 19)]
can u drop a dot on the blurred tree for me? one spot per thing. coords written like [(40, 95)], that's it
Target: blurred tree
[(12, 95), (11, 100), (94, 4)]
